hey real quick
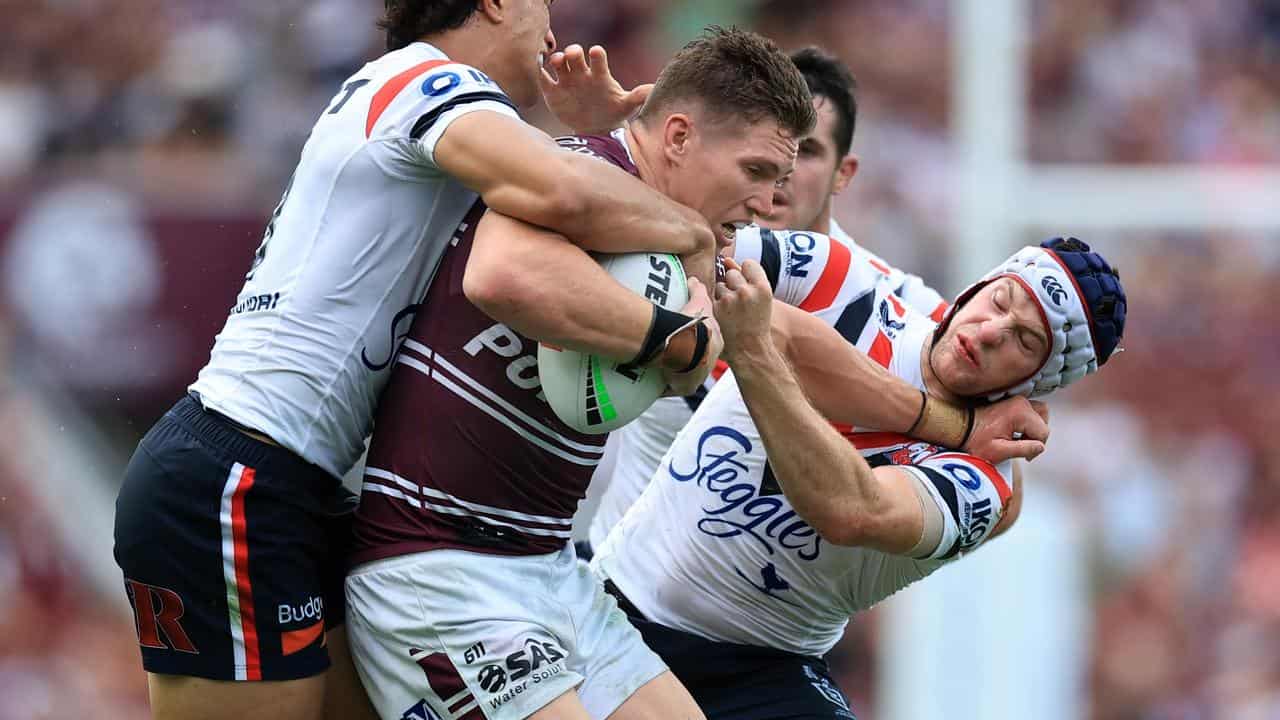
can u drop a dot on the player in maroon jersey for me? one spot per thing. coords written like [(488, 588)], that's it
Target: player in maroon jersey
[(465, 598)]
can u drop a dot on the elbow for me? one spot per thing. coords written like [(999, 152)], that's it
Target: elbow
[(496, 288), (568, 201), (846, 529)]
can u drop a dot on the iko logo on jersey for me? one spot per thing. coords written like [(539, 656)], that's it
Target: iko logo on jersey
[(738, 509), (975, 522)]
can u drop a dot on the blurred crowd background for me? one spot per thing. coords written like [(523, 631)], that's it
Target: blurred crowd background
[(144, 142)]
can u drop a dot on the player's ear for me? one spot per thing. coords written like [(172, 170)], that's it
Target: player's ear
[(494, 10), (845, 171), (676, 135)]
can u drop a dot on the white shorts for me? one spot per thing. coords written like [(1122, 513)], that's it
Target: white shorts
[(456, 635)]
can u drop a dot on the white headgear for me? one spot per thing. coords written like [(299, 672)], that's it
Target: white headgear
[(1066, 310)]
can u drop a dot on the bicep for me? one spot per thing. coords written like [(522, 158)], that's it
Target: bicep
[(497, 156), (902, 517)]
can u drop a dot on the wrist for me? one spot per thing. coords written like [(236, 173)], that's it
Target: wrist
[(750, 355), (944, 423), (686, 350)]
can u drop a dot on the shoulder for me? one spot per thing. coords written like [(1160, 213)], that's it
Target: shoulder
[(411, 91), (602, 147)]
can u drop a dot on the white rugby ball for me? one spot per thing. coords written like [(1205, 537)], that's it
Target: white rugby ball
[(588, 392)]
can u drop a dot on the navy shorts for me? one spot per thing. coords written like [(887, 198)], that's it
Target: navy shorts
[(233, 551), (743, 682)]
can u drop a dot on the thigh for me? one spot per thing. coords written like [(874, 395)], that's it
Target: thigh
[(460, 635), (566, 707), (226, 570), (344, 695), (662, 698), (609, 652), (175, 697)]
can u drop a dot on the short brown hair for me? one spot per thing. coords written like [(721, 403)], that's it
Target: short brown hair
[(735, 74)]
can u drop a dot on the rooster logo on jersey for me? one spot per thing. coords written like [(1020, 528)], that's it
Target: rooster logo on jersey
[(891, 326)]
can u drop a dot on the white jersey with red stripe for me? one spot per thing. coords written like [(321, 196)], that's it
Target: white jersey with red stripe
[(347, 257), (735, 563), (817, 273), (913, 290)]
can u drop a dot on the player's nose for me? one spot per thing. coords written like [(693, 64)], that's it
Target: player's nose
[(550, 41), (761, 203), (990, 332)]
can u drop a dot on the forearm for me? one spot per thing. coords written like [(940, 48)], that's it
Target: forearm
[(849, 387), (827, 482), (547, 289), (619, 213), (521, 172)]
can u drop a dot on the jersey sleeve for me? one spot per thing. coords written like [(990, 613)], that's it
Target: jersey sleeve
[(812, 271), (972, 495), (913, 290), (421, 102)]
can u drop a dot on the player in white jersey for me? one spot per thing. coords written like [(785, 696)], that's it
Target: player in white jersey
[(231, 524), (765, 527), (465, 597), (824, 169)]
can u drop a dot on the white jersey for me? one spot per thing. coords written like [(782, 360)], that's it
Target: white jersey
[(713, 547), (911, 288), (815, 272), (347, 257)]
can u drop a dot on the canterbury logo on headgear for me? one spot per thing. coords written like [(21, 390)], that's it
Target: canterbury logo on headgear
[(1056, 293), (1083, 304)]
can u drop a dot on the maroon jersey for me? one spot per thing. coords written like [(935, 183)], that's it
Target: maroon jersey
[(466, 452)]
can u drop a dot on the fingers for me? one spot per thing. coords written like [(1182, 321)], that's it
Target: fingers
[(576, 59), (599, 60), (1020, 449), (1041, 408), (639, 94), (545, 80), (754, 274), (1034, 427), (556, 62)]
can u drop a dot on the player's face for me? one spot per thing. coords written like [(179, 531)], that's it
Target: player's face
[(806, 194), (731, 170), (531, 42), (997, 339)]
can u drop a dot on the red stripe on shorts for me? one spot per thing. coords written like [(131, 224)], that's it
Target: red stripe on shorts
[(240, 543)]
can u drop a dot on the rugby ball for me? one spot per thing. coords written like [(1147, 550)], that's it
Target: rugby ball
[(589, 392)]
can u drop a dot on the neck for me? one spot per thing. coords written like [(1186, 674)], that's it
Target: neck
[(932, 384), (646, 153), (822, 223)]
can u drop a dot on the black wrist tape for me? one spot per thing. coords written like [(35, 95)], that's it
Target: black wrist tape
[(699, 347), (662, 326)]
